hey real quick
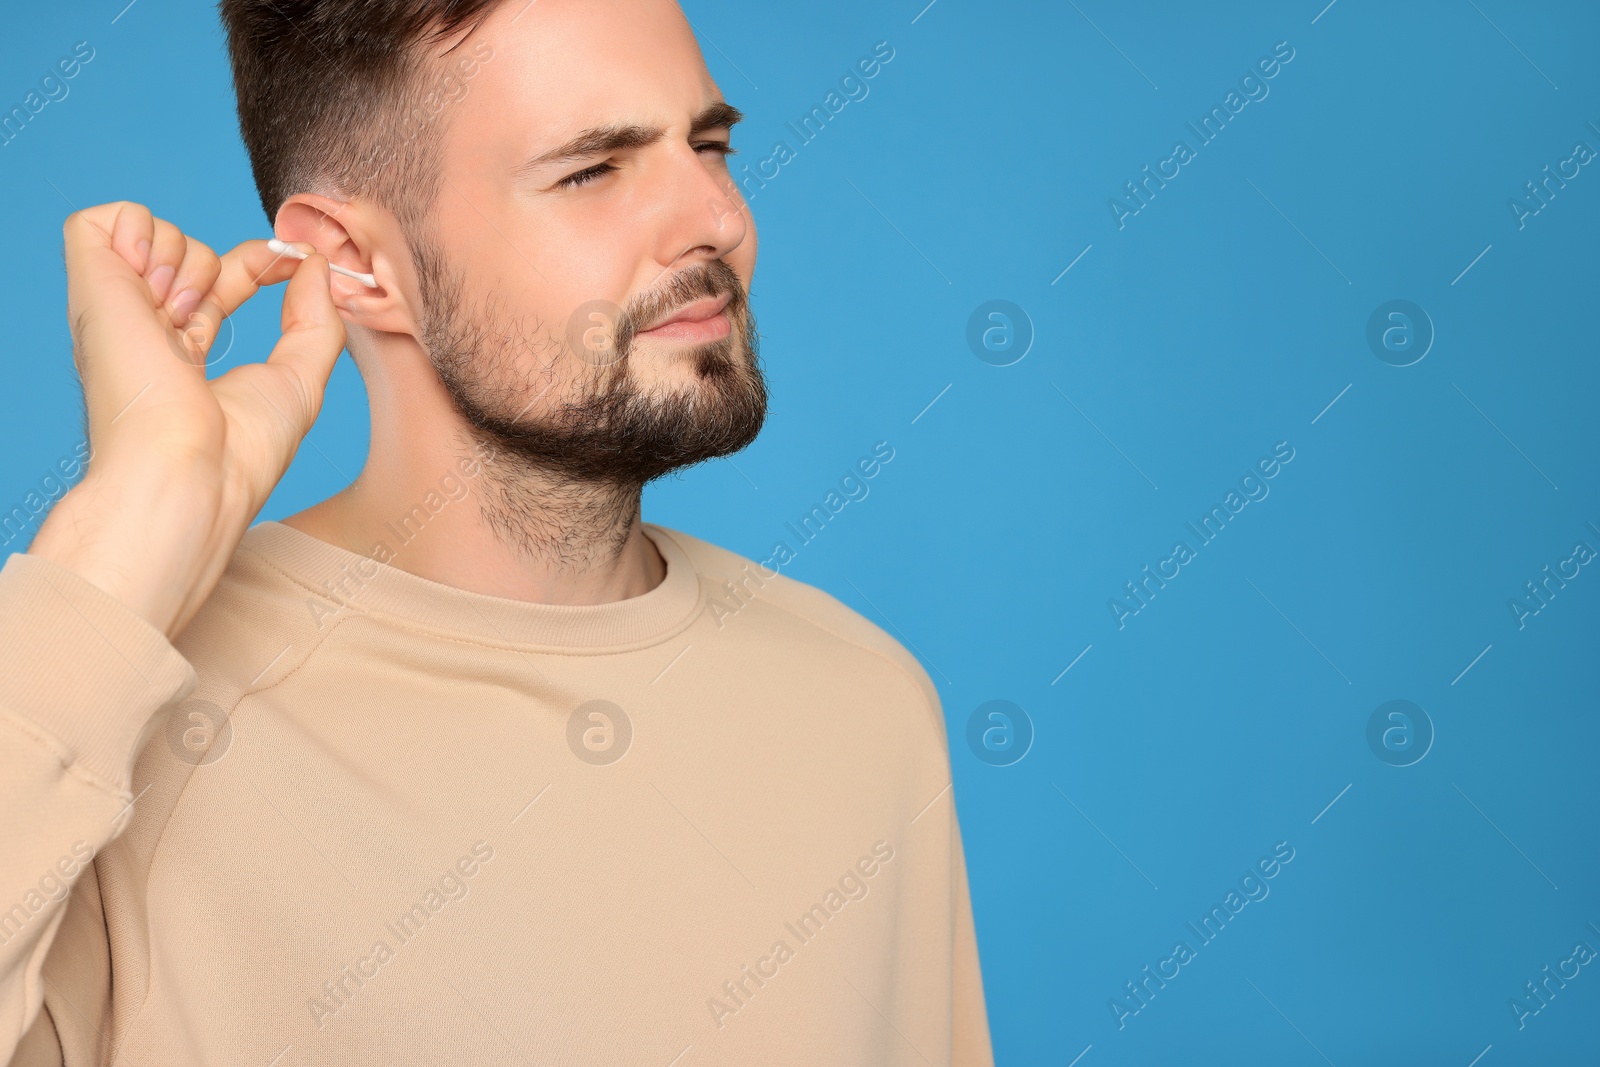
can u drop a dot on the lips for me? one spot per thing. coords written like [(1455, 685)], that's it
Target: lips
[(701, 310)]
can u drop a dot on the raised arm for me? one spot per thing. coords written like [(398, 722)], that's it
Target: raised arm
[(179, 466)]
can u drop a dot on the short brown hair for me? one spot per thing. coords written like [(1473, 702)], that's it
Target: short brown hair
[(331, 95)]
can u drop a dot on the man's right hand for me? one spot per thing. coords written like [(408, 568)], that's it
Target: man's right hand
[(179, 465)]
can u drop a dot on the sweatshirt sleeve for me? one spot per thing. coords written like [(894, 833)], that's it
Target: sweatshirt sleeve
[(81, 679), (969, 1045)]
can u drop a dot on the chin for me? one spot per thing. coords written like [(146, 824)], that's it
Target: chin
[(679, 368)]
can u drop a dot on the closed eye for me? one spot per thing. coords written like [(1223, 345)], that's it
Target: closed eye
[(584, 177), (589, 175)]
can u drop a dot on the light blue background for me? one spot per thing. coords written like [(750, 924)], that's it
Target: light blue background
[(1223, 318)]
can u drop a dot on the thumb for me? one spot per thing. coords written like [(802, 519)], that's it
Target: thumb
[(313, 332)]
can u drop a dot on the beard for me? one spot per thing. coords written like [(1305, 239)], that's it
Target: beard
[(610, 432)]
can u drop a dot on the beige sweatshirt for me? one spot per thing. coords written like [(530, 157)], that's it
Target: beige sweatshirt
[(354, 816)]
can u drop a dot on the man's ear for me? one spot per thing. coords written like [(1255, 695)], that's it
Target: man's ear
[(365, 240)]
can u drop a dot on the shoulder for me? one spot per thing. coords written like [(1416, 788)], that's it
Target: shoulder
[(739, 586), (260, 624), (257, 602)]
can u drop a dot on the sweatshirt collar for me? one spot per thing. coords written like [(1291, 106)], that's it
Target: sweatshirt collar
[(339, 582)]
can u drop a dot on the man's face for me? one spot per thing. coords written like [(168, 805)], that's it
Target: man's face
[(543, 272)]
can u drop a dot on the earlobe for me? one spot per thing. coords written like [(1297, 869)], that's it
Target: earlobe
[(373, 309), (381, 309), (350, 299)]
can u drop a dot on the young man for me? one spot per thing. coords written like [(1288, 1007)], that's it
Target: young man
[(464, 764)]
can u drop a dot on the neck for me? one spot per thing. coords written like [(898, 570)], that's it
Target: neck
[(574, 528), (473, 515)]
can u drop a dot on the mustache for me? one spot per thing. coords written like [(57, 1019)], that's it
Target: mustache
[(683, 288), (602, 334)]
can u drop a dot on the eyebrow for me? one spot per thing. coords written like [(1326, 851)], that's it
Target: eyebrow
[(623, 136)]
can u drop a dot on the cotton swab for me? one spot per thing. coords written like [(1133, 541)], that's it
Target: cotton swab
[(285, 249)]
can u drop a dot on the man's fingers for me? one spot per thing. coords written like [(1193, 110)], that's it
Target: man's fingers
[(198, 332), (110, 241), (165, 258), (195, 278), (109, 304), (132, 232), (245, 270), (123, 264), (313, 334), (241, 273)]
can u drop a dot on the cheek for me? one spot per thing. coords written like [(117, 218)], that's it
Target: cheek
[(589, 256), (539, 286)]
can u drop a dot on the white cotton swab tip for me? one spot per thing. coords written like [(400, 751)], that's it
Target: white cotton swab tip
[(283, 248)]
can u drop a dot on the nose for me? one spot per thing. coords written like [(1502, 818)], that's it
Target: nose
[(701, 214)]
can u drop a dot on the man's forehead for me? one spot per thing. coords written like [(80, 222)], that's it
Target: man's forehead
[(563, 67), (568, 37)]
